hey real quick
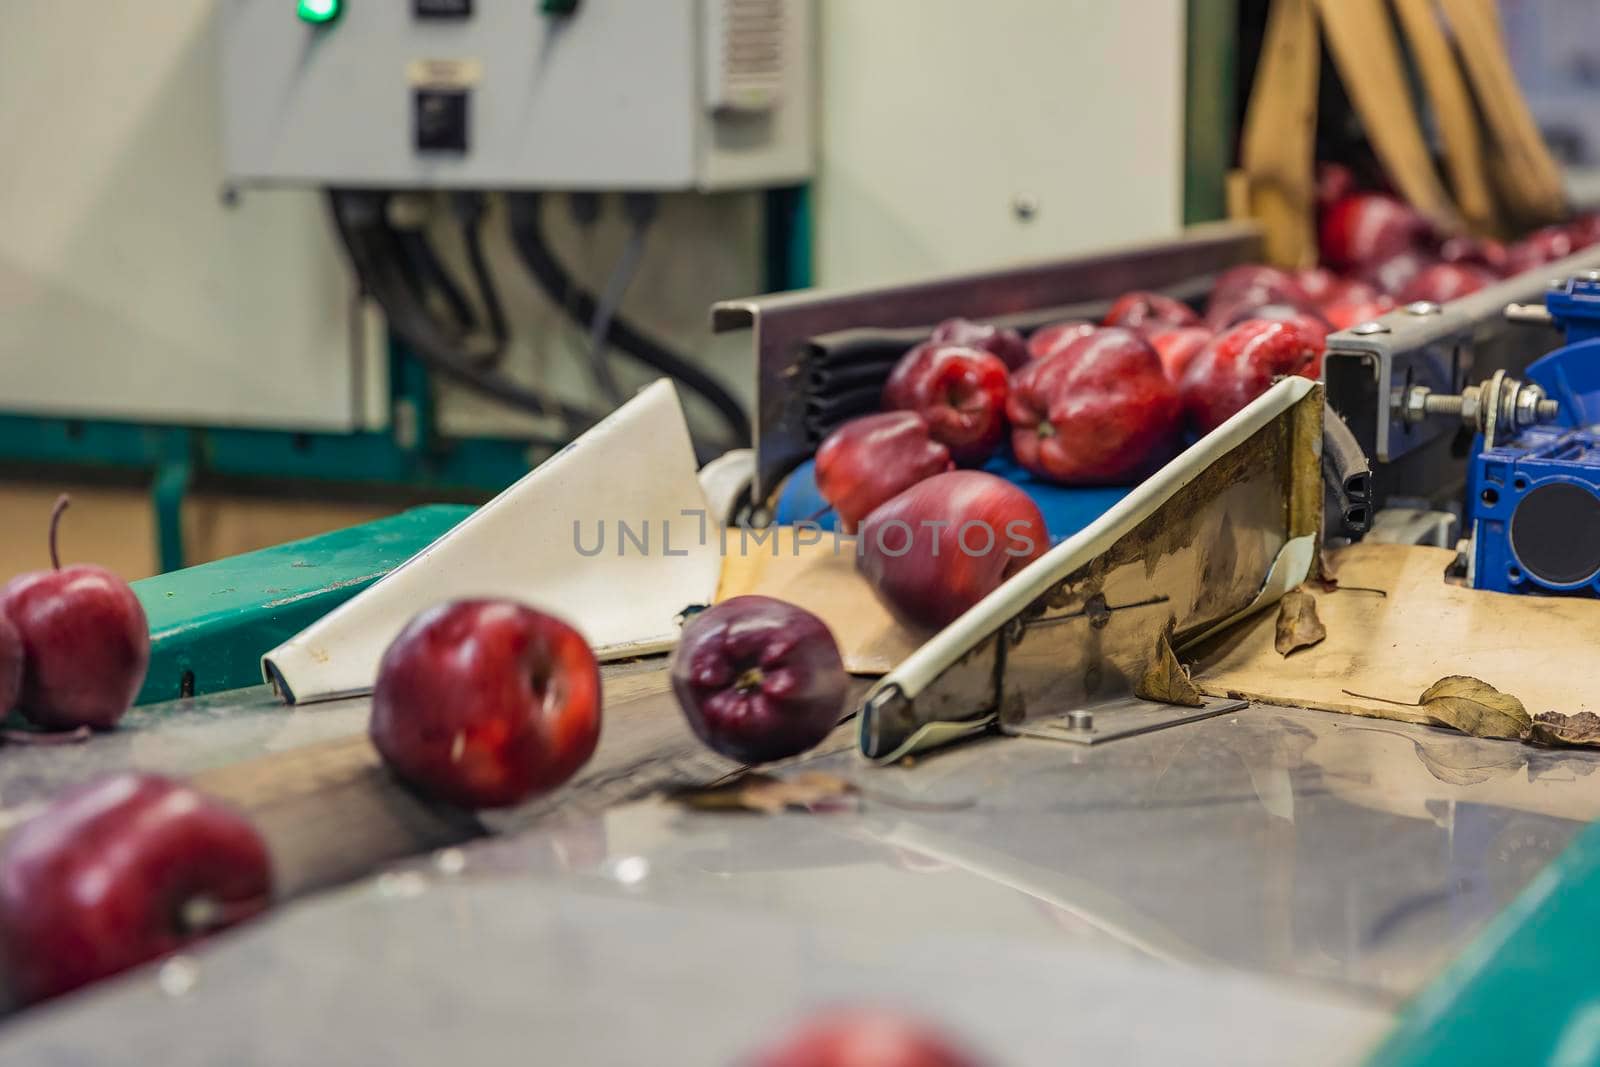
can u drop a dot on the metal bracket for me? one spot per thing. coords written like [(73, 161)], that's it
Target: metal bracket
[(1113, 719)]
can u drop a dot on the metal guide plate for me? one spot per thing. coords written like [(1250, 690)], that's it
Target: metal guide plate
[(1124, 717)]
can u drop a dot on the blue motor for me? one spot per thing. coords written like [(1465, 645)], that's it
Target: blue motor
[(1534, 487)]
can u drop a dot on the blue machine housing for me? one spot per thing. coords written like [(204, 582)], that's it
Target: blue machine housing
[(1534, 501)]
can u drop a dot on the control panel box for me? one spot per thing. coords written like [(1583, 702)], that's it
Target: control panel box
[(518, 94)]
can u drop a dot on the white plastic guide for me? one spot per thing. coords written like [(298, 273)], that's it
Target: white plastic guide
[(613, 534)]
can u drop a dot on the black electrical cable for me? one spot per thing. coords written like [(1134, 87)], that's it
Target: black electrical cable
[(375, 253), (431, 273), (527, 232), (470, 210)]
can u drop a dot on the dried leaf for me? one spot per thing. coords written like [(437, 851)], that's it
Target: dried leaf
[(768, 794), (1324, 577), (1298, 624), (1465, 765), (1554, 728), (1166, 680), (1475, 707)]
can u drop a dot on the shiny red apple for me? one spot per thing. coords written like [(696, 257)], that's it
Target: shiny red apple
[(1003, 342), (486, 703), (85, 641), (1444, 282), (10, 666), (1319, 284), (1362, 228), (1482, 252), (1345, 315), (1101, 412), (120, 872), (759, 679), (1177, 347), (1148, 313), (863, 1038), (1392, 274), (1242, 363), (1540, 247), (947, 542), (1048, 340), (961, 392), (870, 459)]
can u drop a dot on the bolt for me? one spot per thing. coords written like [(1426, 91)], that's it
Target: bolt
[(1422, 307), (1548, 410), (1368, 328), (1080, 720), (1443, 404), (1591, 275), (1025, 207)]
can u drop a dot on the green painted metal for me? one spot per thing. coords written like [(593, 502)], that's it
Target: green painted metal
[(171, 485), (1527, 990), (210, 625), (1211, 64)]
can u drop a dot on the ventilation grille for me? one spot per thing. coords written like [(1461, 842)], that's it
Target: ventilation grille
[(745, 54)]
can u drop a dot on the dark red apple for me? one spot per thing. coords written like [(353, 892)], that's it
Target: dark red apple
[(947, 542), (10, 666), (1335, 181), (120, 872), (1240, 365), (1257, 283), (1348, 291), (1584, 231), (1177, 347), (1363, 228), (759, 679), (859, 1038), (85, 641), (1393, 274), (1048, 340), (960, 391), (1444, 282), (1540, 247), (1311, 319), (1318, 283), (999, 341), (1345, 315), (1148, 313), (870, 459), (1481, 252), (485, 703), (1101, 412)]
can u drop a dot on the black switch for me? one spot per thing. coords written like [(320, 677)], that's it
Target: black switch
[(441, 9), (440, 116)]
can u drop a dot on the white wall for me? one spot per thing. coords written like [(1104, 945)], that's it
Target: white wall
[(939, 114)]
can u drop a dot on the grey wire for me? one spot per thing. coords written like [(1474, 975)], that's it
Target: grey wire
[(610, 301)]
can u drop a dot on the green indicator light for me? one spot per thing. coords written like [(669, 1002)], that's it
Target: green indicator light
[(318, 12)]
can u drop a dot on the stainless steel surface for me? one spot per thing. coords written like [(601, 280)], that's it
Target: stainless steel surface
[(781, 324), (1260, 887)]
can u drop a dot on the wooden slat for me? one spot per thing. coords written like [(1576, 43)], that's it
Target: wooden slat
[(1278, 142)]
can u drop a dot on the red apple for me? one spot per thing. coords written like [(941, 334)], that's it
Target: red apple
[(1240, 365), (870, 459), (960, 391), (1319, 284), (1393, 274), (1335, 181), (858, 1038), (1347, 291), (947, 542), (1147, 313), (10, 666), (1363, 228), (120, 872), (1444, 282), (759, 679), (1540, 247), (1100, 412), (85, 641), (1177, 347), (1257, 283), (1476, 252), (1345, 315), (1048, 340), (1007, 344), (1584, 231), (1311, 319), (485, 703)]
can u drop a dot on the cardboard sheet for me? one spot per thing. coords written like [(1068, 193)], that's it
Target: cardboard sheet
[(820, 577), (1539, 649)]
